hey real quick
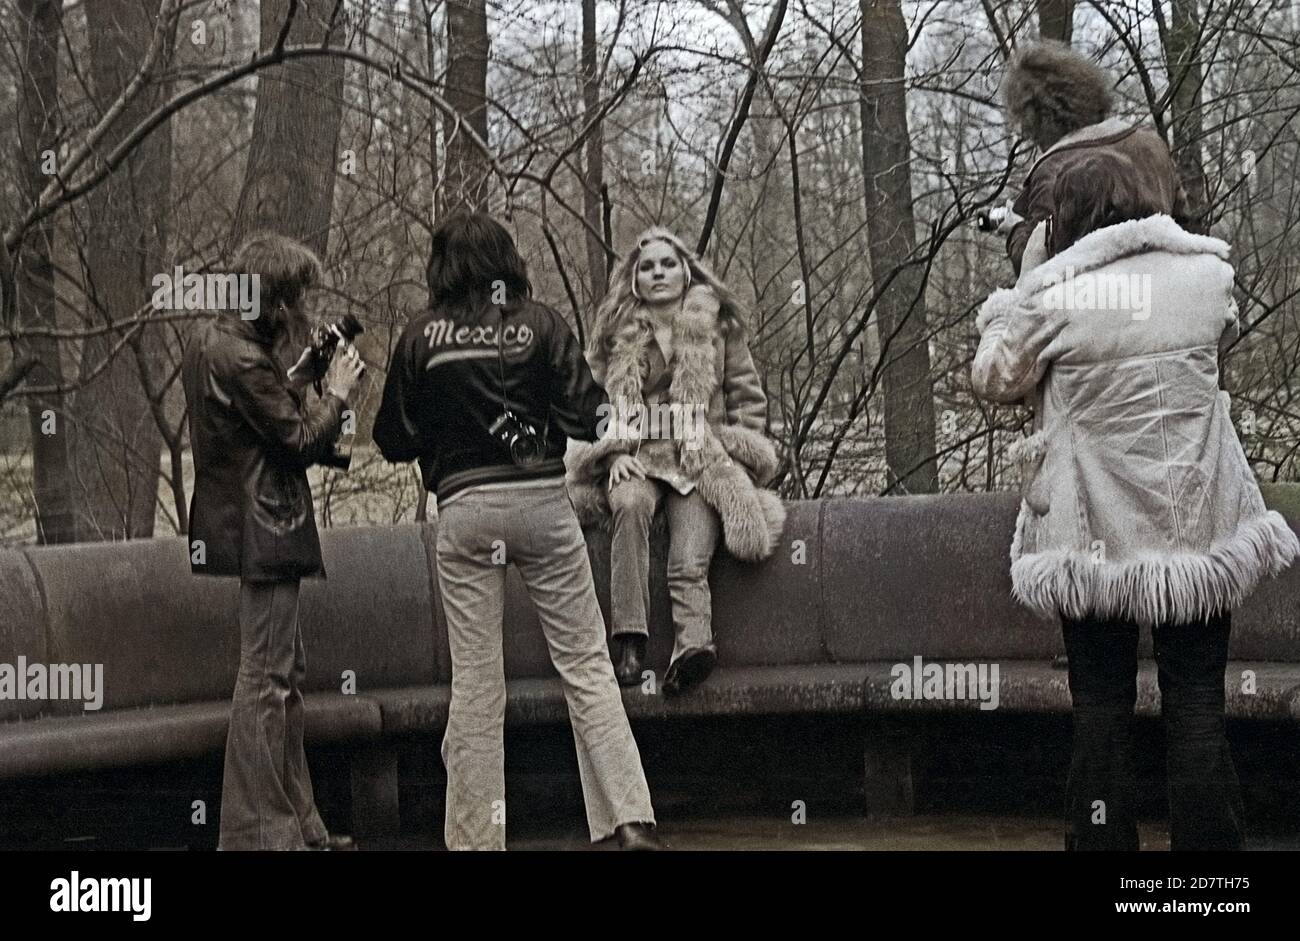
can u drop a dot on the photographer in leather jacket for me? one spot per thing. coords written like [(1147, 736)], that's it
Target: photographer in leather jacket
[(251, 516), (483, 390)]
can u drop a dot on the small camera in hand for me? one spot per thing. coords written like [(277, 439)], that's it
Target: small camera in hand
[(526, 446), (991, 219), (324, 343), (325, 340)]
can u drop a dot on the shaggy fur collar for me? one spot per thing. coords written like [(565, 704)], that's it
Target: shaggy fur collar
[(1097, 249), (696, 327)]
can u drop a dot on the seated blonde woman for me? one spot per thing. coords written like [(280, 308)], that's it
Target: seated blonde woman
[(685, 432)]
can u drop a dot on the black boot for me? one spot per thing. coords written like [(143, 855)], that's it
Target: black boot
[(638, 836), (629, 654), (690, 669)]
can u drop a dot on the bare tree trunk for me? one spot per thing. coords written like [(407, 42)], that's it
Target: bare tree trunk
[(891, 239), (1182, 57), (422, 501), (41, 24), (115, 443), (430, 67), (293, 156), (465, 180), (1056, 20), (594, 163)]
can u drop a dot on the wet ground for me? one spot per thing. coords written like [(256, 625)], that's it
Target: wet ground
[(847, 833), (982, 783)]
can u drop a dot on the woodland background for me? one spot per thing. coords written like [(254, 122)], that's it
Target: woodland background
[(826, 157)]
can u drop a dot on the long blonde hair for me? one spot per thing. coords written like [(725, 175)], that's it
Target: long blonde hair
[(621, 305)]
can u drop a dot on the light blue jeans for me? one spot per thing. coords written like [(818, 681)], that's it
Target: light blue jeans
[(693, 530), (540, 535)]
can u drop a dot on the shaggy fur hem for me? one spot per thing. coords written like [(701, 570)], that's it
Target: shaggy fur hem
[(1158, 589), (752, 518)]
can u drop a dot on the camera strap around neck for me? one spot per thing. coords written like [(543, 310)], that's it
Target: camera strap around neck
[(501, 367)]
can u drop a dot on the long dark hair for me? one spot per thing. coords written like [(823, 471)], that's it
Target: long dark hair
[(472, 259), (1096, 191)]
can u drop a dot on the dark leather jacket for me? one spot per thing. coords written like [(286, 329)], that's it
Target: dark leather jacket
[(444, 391), (253, 440), (1155, 173)]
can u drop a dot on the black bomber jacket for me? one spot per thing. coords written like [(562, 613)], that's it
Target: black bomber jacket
[(445, 389)]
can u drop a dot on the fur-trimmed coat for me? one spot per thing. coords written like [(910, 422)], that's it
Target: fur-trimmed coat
[(729, 459), (1138, 501)]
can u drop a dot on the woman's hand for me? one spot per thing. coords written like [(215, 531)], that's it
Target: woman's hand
[(625, 467)]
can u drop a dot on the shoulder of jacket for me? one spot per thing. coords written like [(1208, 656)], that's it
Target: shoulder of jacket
[(1123, 240), (544, 314), (227, 351)]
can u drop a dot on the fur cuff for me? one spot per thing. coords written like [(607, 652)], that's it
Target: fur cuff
[(751, 448), (585, 461), (752, 519), (1028, 450)]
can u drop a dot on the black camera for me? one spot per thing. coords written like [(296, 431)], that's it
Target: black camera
[(324, 342), (526, 446)]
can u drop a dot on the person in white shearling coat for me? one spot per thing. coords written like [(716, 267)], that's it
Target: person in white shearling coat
[(1139, 507)]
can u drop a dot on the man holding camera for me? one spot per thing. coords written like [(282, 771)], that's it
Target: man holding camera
[(251, 516), (1061, 100)]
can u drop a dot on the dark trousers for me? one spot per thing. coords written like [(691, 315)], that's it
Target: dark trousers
[(266, 795), (1205, 807)]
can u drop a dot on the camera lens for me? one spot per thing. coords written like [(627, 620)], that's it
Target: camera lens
[(526, 450)]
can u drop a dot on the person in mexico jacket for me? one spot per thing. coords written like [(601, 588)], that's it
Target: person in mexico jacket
[(483, 390)]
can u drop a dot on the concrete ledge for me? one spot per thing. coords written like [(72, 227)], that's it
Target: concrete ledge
[(735, 691), (159, 734), (414, 708), (729, 691)]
